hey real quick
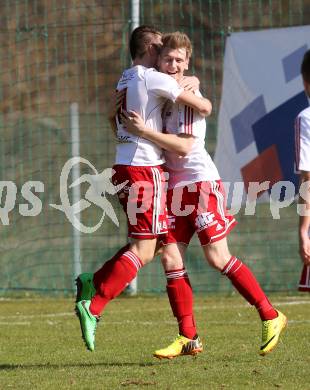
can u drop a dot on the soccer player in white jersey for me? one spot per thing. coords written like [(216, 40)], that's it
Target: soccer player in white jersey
[(302, 152), (138, 164), (195, 184)]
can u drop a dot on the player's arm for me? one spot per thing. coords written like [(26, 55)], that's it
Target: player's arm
[(114, 106), (180, 144), (200, 104), (304, 221), (190, 83), (165, 86), (113, 125)]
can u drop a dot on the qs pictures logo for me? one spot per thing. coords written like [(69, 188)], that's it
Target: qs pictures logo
[(99, 185)]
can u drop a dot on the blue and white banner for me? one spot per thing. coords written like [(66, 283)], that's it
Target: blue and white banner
[(262, 94)]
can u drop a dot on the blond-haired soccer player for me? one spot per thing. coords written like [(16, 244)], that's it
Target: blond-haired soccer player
[(302, 152), (138, 163), (195, 184)]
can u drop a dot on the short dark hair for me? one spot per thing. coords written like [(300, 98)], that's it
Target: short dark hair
[(305, 67), (139, 40)]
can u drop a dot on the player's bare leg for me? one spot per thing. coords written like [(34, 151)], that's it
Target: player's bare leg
[(144, 249)]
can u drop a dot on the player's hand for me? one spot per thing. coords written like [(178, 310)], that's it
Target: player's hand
[(133, 122), (115, 103), (304, 248), (190, 83)]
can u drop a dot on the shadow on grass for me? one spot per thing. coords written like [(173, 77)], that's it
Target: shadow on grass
[(9, 367)]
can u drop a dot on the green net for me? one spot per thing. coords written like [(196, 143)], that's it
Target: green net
[(55, 53)]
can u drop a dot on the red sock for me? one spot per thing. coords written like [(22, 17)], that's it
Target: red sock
[(99, 275), (116, 274), (245, 282), (180, 296), (304, 282)]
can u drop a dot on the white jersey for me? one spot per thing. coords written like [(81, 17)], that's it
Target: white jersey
[(302, 140), (146, 93), (197, 165)]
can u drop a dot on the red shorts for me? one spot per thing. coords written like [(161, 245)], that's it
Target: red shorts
[(199, 207), (143, 199)]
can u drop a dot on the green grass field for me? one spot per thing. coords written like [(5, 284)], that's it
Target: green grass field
[(41, 346)]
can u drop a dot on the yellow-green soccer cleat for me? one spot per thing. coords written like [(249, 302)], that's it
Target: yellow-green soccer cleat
[(88, 323), (271, 333), (85, 288), (181, 346)]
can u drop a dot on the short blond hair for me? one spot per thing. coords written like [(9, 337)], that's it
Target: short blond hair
[(177, 40)]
